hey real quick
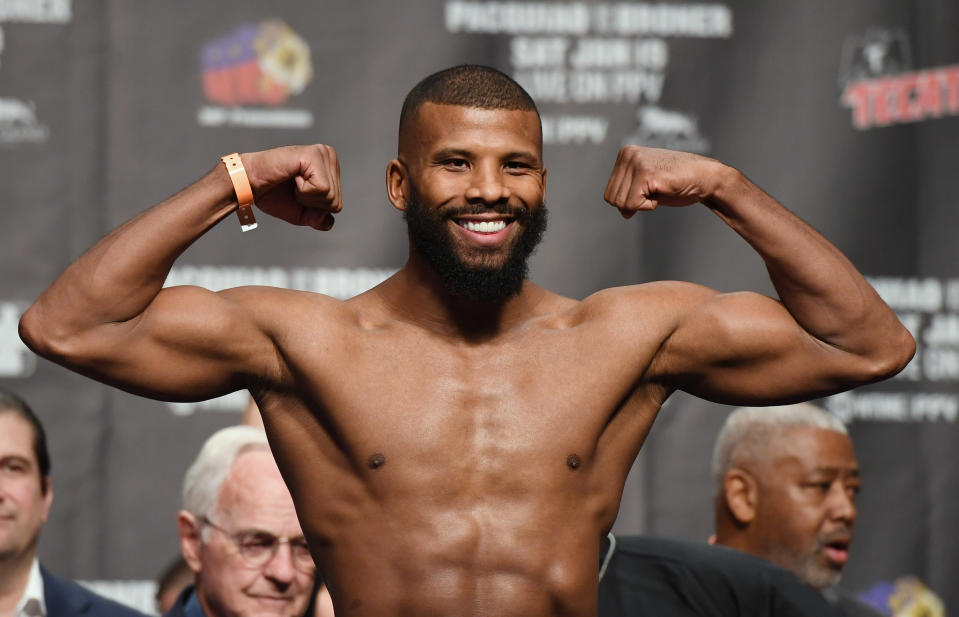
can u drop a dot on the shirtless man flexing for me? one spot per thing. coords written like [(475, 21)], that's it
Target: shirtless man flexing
[(456, 439)]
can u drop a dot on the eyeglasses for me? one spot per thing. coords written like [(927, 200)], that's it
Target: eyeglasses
[(257, 548)]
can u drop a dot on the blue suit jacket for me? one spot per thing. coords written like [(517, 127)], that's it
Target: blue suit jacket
[(67, 599)]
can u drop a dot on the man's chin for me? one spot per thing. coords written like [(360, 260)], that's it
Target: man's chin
[(484, 285), (820, 576), (269, 607)]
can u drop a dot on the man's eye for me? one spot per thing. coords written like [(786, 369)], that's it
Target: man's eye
[(300, 547), (13, 467), (257, 542)]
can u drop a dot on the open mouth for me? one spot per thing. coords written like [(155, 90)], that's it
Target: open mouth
[(483, 227), (837, 551)]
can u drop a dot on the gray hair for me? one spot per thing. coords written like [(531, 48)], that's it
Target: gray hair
[(749, 428), (205, 477)]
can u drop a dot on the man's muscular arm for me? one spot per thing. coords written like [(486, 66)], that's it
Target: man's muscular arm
[(829, 332), (108, 316)]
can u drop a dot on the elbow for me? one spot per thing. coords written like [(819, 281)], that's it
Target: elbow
[(896, 351), (42, 335), (31, 330)]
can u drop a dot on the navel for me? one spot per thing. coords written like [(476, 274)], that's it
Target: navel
[(573, 461), (376, 461)]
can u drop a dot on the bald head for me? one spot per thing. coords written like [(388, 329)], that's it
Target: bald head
[(467, 85)]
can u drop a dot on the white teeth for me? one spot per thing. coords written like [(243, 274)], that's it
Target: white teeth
[(487, 227)]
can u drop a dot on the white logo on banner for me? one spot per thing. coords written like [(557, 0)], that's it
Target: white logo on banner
[(578, 53), (663, 128), (19, 124), (36, 12), (15, 359), (18, 119), (341, 283)]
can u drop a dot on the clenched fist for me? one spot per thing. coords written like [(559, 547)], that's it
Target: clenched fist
[(299, 184), (644, 178)]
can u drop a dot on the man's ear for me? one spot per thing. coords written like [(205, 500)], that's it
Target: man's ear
[(742, 495), (190, 538), (397, 184), (47, 497)]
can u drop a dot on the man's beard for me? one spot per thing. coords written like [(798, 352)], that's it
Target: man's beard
[(817, 575), (483, 280), (808, 566)]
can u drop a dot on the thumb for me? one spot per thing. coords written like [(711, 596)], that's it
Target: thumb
[(318, 219)]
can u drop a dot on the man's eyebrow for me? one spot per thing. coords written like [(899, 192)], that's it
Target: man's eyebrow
[(835, 471), (16, 458), (256, 531), (521, 154), (463, 153), (452, 152)]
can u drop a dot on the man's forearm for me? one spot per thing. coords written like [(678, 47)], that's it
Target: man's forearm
[(819, 286), (96, 302)]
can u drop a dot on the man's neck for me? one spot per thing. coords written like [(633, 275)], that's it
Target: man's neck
[(417, 294), (733, 538), (14, 574)]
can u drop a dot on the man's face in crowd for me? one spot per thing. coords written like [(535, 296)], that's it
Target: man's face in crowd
[(806, 510), (476, 185), (24, 505), (253, 501)]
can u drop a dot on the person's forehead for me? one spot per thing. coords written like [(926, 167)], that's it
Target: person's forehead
[(809, 448), (434, 124), (253, 496), (16, 436)]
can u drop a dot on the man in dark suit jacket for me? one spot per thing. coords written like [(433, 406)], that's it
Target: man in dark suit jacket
[(67, 599), (26, 589)]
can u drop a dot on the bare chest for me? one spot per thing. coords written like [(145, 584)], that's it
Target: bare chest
[(539, 394)]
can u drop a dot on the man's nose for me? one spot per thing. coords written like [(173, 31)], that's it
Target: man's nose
[(843, 504), (487, 185), (280, 568)]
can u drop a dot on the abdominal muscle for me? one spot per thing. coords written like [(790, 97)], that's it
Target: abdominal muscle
[(493, 558), (429, 529)]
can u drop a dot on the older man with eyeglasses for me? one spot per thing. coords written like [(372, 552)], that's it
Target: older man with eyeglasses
[(240, 535)]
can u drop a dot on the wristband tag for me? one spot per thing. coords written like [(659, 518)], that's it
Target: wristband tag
[(243, 190)]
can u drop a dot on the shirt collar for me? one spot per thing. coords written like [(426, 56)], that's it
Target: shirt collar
[(33, 591), (193, 608)]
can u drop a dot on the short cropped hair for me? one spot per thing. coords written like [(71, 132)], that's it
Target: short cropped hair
[(747, 429), (467, 85), (11, 403), (205, 477)]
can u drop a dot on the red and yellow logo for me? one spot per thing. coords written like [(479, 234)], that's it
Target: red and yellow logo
[(257, 64)]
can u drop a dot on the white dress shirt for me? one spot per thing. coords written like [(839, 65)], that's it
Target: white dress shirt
[(32, 595)]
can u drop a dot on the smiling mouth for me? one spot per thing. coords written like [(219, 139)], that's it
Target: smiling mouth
[(272, 599), (483, 227)]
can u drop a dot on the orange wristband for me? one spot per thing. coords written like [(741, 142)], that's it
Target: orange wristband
[(244, 193)]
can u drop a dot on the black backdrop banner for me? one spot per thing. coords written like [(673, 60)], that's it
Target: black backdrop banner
[(847, 112)]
